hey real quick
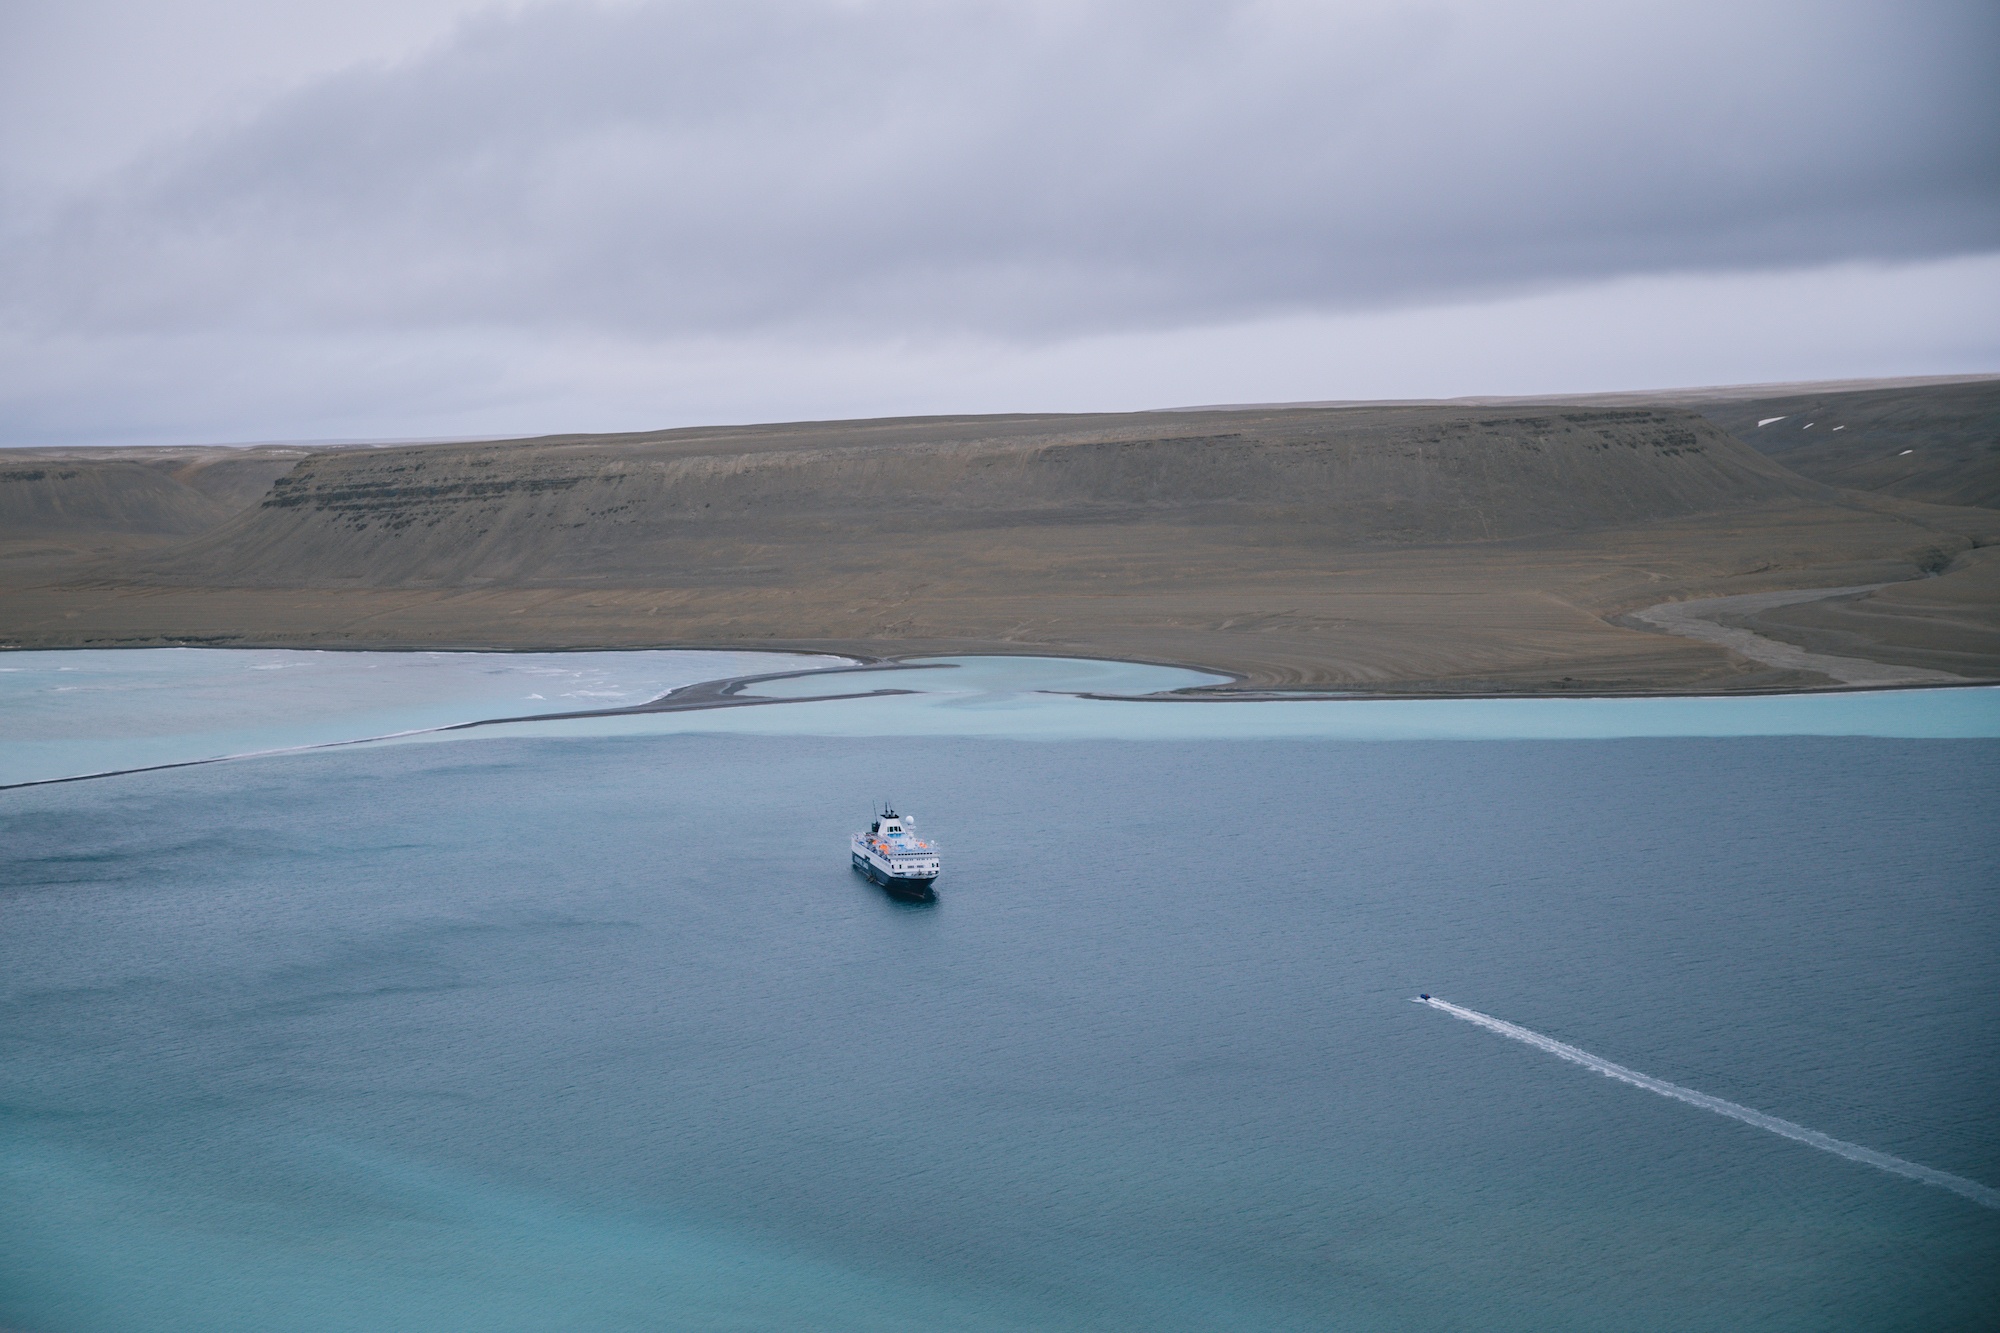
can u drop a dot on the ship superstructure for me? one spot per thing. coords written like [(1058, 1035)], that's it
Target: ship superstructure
[(891, 854)]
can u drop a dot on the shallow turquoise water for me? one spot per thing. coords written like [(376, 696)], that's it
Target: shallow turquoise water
[(1029, 698), (68, 713), (601, 1033)]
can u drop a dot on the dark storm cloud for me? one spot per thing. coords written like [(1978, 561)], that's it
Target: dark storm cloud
[(1040, 170)]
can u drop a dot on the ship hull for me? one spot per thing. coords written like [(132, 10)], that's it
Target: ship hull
[(897, 886)]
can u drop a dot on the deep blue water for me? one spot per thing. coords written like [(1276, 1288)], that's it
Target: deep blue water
[(603, 1034)]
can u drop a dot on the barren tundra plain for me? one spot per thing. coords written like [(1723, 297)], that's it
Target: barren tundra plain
[(1461, 547)]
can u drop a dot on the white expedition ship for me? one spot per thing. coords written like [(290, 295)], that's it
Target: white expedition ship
[(891, 854)]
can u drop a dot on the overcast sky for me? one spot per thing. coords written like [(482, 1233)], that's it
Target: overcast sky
[(232, 220)]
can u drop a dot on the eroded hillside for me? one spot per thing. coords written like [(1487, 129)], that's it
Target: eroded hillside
[(64, 504), (626, 508), (1940, 444), (1431, 547)]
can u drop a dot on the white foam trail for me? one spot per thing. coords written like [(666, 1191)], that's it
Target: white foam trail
[(1853, 1152)]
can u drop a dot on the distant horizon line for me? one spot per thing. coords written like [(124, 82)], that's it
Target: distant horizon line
[(1724, 392), (1710, 392)]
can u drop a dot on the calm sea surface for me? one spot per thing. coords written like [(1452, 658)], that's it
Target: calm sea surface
[(601, 1033)]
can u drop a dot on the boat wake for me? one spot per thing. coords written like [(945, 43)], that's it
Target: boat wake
[(1853, 1152)]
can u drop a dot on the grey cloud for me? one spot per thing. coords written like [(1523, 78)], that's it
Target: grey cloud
[(1032, 170)]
